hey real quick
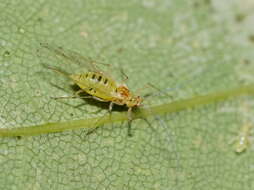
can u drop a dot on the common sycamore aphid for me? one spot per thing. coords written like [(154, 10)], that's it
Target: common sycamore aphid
[(95, 82)]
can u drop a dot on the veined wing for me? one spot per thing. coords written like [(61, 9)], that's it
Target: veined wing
[(73, 57)]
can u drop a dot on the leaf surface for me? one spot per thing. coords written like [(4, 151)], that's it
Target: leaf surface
[(187, 49)]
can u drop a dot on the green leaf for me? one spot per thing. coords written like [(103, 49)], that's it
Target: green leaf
[(199, 52)]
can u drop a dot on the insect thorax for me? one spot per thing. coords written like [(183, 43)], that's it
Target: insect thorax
[(127, 97)]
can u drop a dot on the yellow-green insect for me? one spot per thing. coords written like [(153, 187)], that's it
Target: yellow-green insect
[(243, 142), (95, 82)]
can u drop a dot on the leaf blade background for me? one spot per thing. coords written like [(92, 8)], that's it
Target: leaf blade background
[(194, 44)]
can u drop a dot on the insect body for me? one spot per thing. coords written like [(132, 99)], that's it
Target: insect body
[(97, 83), (106, 89), (243, 138)]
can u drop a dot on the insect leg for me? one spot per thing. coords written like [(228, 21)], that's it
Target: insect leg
[(69, 97), (110, 107), (76, 95), (99, 99), (129, 115)]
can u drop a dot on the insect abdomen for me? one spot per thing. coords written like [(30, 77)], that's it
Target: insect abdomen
[(96, 84)]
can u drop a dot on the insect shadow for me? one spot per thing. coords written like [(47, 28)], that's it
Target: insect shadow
[(90, 101), (93, 102)]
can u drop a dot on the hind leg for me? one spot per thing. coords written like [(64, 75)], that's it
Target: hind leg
[(129, 115)]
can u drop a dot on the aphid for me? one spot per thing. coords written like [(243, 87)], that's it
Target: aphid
[(96, 83), (243, 142)]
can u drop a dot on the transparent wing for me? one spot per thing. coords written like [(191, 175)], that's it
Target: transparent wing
[(73, 57)]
